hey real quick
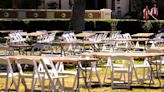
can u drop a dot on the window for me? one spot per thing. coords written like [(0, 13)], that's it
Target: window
[(113, 5), (118, 1)]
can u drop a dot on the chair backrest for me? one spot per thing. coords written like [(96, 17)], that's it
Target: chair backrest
[(43, 60), (69, 36), (42, 37), (38, 47), (99, 37), (59, 66), (65, 37), (159, 36), (105, 35), (25, 61), (72, 37), (7, 63), (114, 34), (127, 36), (125, 60), (51, 37), (92, 38), (51, 69)]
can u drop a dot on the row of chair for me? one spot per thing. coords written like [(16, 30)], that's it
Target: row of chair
[(124, 64), (46, 70), (40, 73), (18, 37)]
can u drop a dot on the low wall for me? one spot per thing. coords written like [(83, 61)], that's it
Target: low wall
[(51, 13)]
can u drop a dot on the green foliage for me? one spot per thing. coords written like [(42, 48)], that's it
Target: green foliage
[(147, 26), (2, 40), (30, 4), (125, 25)]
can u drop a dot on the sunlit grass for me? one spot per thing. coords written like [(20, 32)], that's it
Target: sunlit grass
[(106, 86)]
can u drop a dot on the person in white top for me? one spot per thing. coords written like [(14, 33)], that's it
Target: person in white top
[(154, 11)]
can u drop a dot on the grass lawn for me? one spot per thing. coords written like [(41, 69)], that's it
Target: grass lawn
[(135, 87), (106, 86)]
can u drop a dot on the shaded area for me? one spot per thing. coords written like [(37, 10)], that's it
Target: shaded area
[(125, 26)]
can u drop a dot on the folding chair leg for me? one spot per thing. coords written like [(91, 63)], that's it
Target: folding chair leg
[(144, 74), (105, 74), (50, 87), (57, 85), (11, 84), (33, 85), (135, 71), (42, 84), (124, 77), (112, 79), (24, 83), (62, 85), (98, 78), (74, 83), (84, 78), (6, 87), (129, 80), (19, 79), (131, 75), (90, 78)]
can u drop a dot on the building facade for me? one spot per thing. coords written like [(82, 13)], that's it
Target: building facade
[(119, 7)]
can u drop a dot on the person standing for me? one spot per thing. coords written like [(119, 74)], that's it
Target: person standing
[(146, 13), (154, 11)]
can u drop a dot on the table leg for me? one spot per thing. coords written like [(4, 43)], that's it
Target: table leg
[(78, 75)]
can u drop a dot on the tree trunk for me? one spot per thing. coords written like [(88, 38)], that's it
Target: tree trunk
[(77, 23), (16, 4)]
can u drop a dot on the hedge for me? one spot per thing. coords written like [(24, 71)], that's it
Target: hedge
[(125, 25)]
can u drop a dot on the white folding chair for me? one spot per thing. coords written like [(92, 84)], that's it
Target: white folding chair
[(47, 38), (131, 44), (108, 65), (158, 40), (126, 61), (16, 37), (51, 74), (60, 69), (113, 35), (158, 61), (119, 45), (91, 69), (146, 74), (8, 73), (22, 75), (70, 47)]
